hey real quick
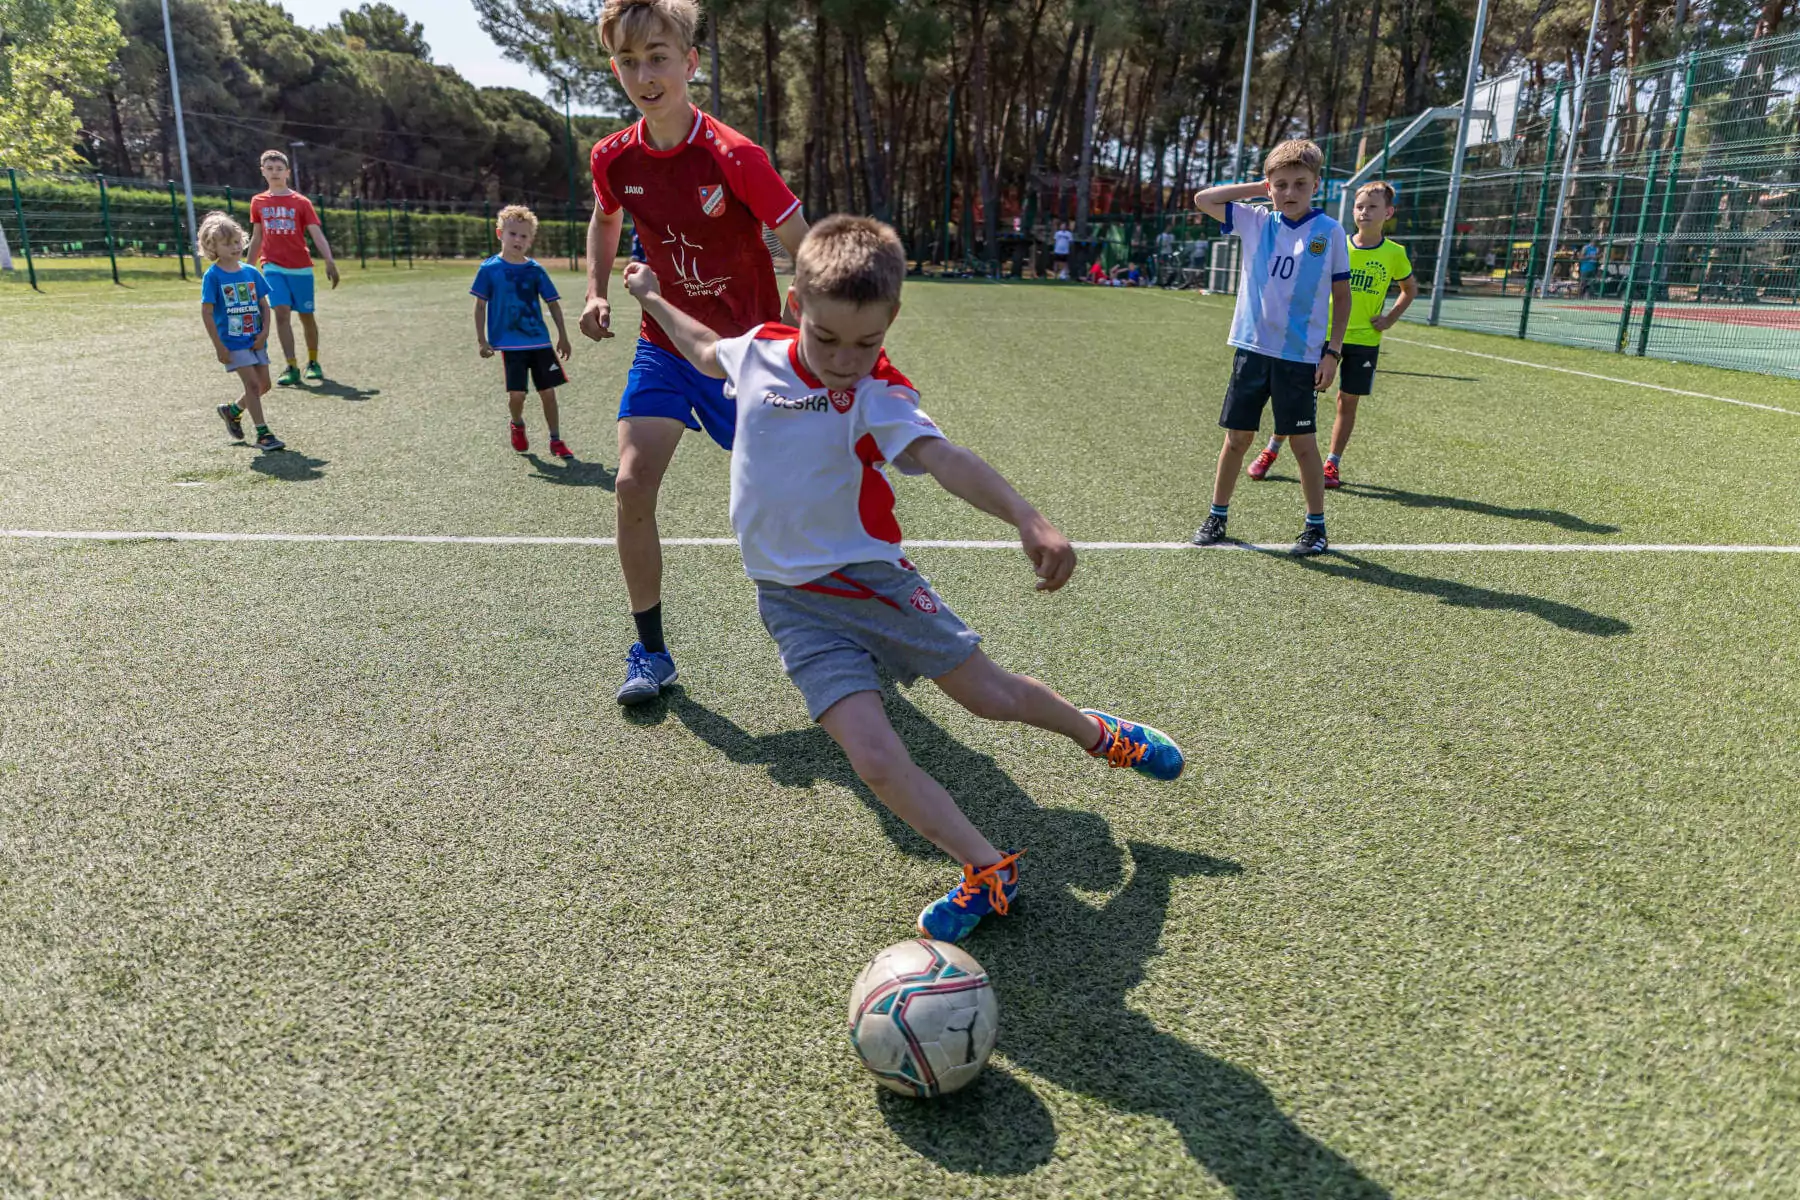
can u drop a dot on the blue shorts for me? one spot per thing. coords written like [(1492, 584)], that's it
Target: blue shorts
[(663, 384), (290, 289)]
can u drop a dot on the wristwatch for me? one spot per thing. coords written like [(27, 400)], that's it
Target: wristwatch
[(1337, 354)]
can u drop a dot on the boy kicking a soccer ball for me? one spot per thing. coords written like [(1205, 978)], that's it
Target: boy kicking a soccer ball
[(820, 410), (1296, 275), (280, 222), (1377, 262), (234, 308), (507, 289)]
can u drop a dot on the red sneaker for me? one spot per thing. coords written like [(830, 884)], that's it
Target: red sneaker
[(560, 448), (518, 437), (1260, 468), (1332, 478)]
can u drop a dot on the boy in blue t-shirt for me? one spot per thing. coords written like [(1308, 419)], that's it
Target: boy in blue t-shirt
[(507, 289), (234, 307)]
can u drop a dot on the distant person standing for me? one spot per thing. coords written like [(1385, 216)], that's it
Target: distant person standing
[(1060, 243), (1589, 264), (280, 222)]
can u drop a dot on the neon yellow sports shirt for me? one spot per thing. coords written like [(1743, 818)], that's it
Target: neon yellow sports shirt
[(1372, 272)]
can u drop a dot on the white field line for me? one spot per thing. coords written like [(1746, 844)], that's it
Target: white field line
[(438, 539)]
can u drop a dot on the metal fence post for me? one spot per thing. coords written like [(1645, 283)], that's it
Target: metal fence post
[(1662, 221), (106, 226), (175, 222), (362, 252), (230, 206), (393, 246), (1537, 225), (1637, 251), (406, 220), (24, 233)]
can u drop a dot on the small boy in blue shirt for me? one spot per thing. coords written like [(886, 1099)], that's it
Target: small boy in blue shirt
[(234, 308), (507, 289)]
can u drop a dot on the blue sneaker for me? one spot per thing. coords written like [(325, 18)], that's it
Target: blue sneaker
[(1145, 750), (989, 890), (646, 675)]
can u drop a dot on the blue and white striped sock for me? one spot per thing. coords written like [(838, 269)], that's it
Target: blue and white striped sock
[(1316, 520), (1221, 511)]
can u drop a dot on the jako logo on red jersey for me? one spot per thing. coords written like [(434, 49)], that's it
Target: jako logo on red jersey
[(712, 199), (842, 400), (922, 600)]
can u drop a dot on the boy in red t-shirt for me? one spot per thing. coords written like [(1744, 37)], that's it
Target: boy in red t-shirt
[(699, 194), (280, 221)]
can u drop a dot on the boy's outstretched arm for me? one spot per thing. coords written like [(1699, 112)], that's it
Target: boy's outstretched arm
[(698, 344), (1212, 200), (966, 475)]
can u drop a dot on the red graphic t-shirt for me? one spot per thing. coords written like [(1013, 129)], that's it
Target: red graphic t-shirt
[(284, 221), (699, 210)]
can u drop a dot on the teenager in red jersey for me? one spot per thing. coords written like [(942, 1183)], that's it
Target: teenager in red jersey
[(280, 222), (699, 194)]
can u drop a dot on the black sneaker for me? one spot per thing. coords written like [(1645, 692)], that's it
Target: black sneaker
[(1311, 541), (233, 425), (1211, 531), (269, 441)]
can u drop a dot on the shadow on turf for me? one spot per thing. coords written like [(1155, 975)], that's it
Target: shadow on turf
[(1063, 970), (1428, 375), (573, 473), (289, 466), (1459, 595), (1548, 516), (338, 391)]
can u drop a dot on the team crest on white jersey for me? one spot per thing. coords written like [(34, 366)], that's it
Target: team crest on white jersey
[(842, 400), (712, 199), (1316, 247)]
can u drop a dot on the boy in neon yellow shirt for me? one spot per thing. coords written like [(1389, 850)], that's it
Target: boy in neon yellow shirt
[(1377, 262)]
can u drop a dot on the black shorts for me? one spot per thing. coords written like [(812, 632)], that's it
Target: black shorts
[(1061, 259), (1357, 373), (1256, 379), (540, 366)]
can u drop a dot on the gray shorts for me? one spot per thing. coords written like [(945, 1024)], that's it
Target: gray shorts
[(247, 357), (839, 632)]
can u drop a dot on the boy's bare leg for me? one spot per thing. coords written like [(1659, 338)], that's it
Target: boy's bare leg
[(986, 689), (310, 327), (646, 444), (1345, 423), (860, 725), (284, 330), (548, 398), (256, 382), (515, 401), (1312, 470), (1231, 461)]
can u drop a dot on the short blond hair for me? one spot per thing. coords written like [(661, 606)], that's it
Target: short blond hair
[(1299, 152), (631, 22), (516, 212), (1378, 185), (269, 156), (857, 260), (216, 230)]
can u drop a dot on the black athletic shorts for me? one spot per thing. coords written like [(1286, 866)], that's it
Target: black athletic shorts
[(1256, 379), (541, 367), (1356, 375)]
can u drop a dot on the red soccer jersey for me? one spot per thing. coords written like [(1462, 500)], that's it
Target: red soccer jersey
[(699, 210), (284, 221)]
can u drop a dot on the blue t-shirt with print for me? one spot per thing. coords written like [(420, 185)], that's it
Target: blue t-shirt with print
[(512, 292), (236, 299)]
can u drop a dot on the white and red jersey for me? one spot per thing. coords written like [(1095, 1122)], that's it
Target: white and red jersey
[(699, 210), (807, 493), (284, 218)]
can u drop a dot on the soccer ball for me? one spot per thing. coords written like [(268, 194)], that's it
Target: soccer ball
[(923, 1018)]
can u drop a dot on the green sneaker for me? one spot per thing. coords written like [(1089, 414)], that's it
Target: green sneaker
[(314, 370), (288, 378)]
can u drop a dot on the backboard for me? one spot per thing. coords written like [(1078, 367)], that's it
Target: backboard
[(1496, 109)]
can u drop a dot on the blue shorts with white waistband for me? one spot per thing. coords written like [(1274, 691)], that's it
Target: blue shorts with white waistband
[(664, 384)]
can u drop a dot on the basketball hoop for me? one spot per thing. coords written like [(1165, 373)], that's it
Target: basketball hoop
[(1509, 151)]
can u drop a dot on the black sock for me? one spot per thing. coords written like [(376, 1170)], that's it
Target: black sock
[(649, 629)]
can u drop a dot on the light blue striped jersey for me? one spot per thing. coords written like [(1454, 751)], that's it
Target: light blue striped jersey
[(1284, 292)]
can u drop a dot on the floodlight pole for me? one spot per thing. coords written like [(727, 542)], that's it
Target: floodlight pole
[(1237, 152), (1577, 119), (187, 179), (1448, 236)]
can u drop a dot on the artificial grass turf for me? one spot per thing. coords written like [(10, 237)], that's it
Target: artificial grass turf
[(333, 869)]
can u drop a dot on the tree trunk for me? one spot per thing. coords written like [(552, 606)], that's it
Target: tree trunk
[(816, 181), (1368, 78), (1052, 107), (984, 174), (872, 162), (121, 155), (773, 85), (1084, 178), (712, 45)]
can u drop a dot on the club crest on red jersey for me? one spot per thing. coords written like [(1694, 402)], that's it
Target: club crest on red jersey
[(712, 199), (842, 400), (923, 601)]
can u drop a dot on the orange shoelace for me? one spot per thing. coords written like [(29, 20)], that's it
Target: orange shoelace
[(987, 879), (1122, 751)]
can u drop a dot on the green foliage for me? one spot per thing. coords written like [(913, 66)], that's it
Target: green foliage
[(51, 53), (381, 27)]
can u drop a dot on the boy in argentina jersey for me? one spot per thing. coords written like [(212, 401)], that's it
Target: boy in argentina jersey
[(699, 194), (1295, 279), (820, 410)]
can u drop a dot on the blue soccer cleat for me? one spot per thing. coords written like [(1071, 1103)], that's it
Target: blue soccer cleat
[(989, 890), (646, 675), (1145, 750)]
